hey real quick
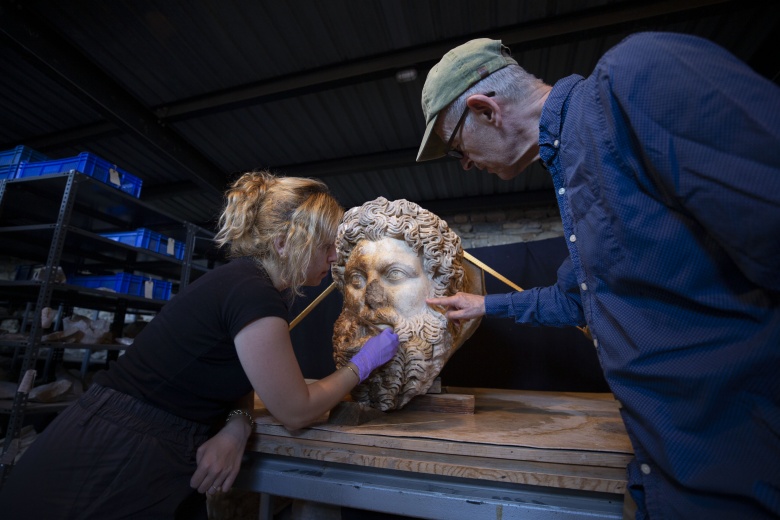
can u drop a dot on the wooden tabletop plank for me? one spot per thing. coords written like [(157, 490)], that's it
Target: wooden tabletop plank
[(556, 439), (269, 432), (558, 475), (508, 419)]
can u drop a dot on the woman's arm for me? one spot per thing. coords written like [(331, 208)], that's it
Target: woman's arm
[(267, 356)]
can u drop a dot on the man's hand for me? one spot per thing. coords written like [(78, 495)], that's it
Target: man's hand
[(219, 458), (462, 306)]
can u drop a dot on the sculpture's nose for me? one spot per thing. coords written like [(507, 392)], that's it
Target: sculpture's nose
[(375, 295)]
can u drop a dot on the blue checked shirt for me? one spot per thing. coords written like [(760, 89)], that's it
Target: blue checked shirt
[(666, 165)]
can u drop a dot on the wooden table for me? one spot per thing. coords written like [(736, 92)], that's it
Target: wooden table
[(522, 454)]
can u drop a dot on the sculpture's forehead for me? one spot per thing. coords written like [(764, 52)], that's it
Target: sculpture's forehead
[(369, 253)]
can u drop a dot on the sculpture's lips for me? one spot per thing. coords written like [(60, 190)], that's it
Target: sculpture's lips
[(375, 328), (368, 324), (368, 321)]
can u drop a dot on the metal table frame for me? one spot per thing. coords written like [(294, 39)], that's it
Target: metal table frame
[(418, 495)]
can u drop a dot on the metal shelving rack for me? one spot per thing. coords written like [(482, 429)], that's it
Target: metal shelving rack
[(56, 221)]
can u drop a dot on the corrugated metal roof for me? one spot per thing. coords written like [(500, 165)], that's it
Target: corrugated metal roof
[(186, 94)]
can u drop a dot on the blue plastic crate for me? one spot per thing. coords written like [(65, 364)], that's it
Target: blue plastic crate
[(10, 159), (19, 154), (148, 239), (8, 172), (88, 164), (160, 289), (126, 283)]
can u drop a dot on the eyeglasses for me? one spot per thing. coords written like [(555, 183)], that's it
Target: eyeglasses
[(452, 152)]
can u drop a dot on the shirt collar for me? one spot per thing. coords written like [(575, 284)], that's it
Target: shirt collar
[(551, 121)]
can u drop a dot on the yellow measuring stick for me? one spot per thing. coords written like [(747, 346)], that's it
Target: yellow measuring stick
[(511, 284), (490, 270), (311, 306)]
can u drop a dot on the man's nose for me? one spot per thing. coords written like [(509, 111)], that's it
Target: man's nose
[(375, 295)]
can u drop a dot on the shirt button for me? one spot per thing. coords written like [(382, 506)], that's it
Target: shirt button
[(561, 191), (556, 143), (645, 469), (572, 238), (584, 286), (596, 343)]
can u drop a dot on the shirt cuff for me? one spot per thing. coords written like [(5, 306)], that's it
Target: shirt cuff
[(498, 305)]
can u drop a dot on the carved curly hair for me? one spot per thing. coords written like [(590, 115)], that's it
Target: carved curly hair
[(401, 219)]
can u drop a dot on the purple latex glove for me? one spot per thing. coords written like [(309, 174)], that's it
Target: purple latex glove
[(376, 352)]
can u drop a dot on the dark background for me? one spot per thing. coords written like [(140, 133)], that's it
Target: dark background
[(501, 353)]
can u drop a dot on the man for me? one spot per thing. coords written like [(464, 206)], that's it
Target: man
[(667, 174), (391, 256)]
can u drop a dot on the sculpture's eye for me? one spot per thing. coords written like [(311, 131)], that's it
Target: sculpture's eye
[(357, 280), (395, 274)]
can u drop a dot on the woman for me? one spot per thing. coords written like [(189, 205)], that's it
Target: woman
[(157, 429)]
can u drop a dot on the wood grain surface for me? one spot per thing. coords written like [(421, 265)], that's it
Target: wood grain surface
[(557, 439)]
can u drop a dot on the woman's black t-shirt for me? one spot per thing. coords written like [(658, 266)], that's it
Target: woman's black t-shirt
[(185, 361)]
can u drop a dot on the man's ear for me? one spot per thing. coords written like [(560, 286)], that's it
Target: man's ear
[(279, 245), (485, 107)]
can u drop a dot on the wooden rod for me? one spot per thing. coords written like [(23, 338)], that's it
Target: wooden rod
[(511, 284), (311, 306), (484, 267)]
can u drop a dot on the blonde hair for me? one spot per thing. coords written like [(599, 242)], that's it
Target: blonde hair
[(261, 208)]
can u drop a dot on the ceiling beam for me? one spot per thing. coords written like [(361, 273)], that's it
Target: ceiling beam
[(318, 169), (601, 21), (598, 21), (152, 122), (42, 47), (74, 136)]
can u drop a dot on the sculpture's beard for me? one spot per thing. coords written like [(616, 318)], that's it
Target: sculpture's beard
[(425, 346)]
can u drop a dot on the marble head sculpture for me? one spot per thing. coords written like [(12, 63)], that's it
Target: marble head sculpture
[(391, 256)]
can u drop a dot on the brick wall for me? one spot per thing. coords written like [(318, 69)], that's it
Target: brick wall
[(495, 228)]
